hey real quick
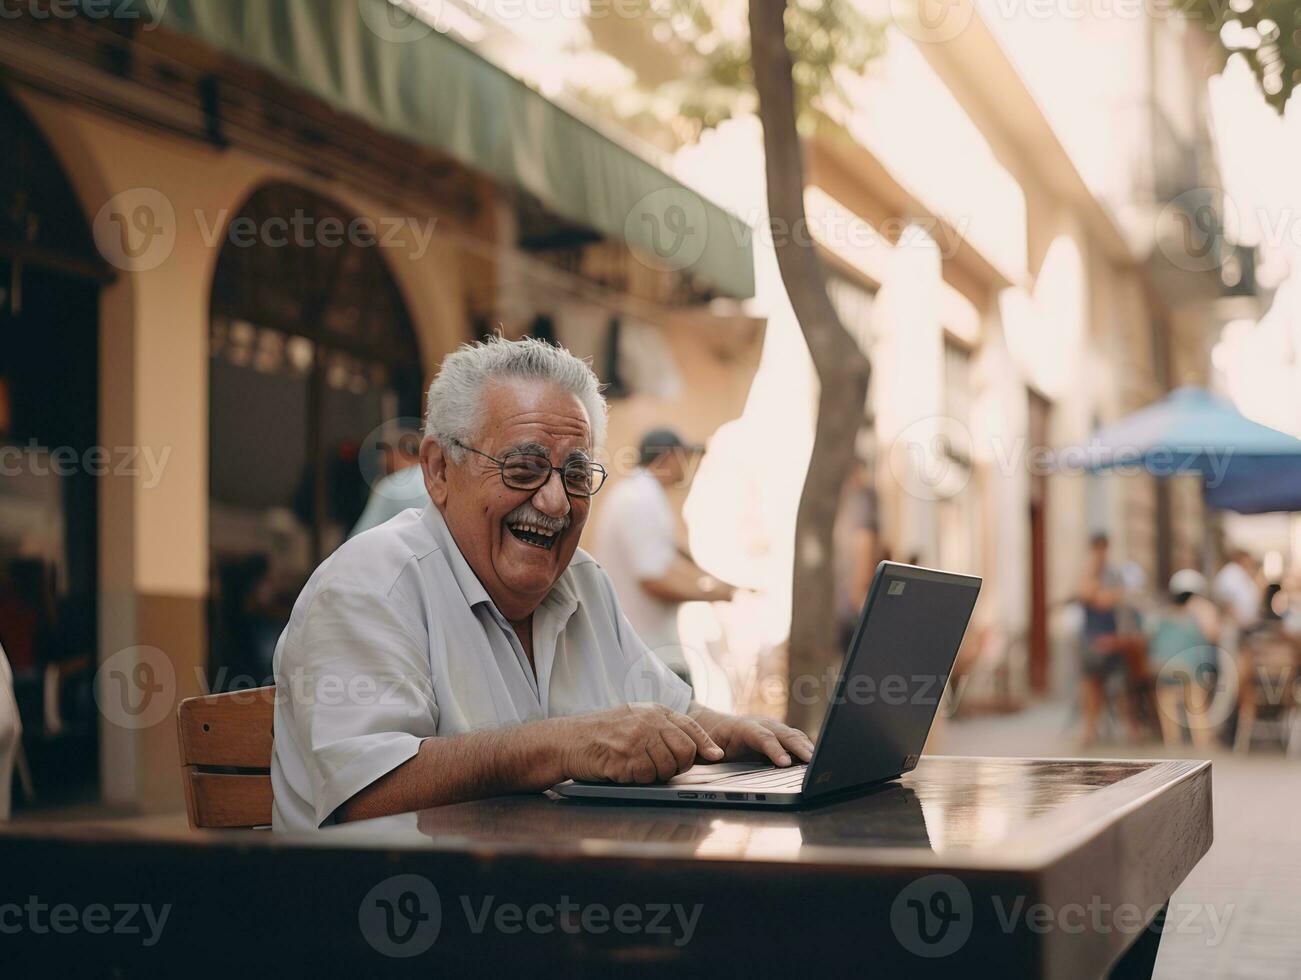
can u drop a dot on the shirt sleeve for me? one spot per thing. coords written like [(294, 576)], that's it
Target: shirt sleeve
[(641, 675), (359, 693)]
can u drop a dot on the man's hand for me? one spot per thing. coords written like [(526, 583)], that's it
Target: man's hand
[(634, 743), (748, 738)]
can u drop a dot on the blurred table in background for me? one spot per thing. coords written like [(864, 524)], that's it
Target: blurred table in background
[(1052, 868)]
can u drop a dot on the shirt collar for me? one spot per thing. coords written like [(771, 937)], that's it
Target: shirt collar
[(468, 582), (562, 600)]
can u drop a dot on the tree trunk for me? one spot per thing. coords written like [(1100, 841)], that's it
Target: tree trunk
[(841, 367)]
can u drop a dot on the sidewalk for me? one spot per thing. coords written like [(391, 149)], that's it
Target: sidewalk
[(1250, 879)]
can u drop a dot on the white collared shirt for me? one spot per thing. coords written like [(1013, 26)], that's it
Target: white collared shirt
[(394, 640), (635, 540)]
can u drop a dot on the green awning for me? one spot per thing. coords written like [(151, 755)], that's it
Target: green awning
[(416, 83)]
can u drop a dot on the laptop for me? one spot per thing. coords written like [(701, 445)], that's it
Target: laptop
[(885, 699)]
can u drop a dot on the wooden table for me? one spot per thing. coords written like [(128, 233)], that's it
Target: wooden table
[(1013, 867)]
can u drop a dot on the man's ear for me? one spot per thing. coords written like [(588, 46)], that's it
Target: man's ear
[(433, 463)]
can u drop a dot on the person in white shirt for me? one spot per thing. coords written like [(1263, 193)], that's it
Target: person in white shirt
[(636, 541), (470, 649), (11, 730), (401, 488), (1237, 590)]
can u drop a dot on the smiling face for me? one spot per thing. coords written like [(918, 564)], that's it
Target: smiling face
[(518, 542)]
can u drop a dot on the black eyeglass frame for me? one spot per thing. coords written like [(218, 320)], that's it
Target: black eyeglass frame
[(596, 468)]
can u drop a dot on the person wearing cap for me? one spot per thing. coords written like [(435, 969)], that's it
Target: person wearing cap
[(1182, 657), (636, 543)]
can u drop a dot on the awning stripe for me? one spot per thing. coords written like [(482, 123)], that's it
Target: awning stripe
[(416, 83)]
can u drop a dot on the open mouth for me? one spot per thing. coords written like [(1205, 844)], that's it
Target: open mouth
[(539, 537)]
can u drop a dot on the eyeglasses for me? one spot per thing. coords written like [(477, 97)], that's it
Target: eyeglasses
[(525, 470)]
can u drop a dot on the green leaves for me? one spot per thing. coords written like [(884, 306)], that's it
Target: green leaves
[(1265, 33)]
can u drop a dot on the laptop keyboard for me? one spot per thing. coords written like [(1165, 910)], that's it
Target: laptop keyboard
[(791, 777)]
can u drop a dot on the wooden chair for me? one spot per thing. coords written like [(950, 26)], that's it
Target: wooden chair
[(225, 742)]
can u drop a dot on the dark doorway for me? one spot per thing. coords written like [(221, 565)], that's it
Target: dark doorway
[(312, 349), (49, 465)]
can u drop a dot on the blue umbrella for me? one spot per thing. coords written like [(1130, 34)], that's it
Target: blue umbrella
[(1259, 485), (1244, 466)]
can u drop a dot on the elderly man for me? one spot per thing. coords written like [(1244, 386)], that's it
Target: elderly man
[(470, 649)]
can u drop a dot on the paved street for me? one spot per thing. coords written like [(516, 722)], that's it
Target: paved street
[(1250, 881)]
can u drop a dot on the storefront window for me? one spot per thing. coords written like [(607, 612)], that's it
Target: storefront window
[(311, 351), (49, 463)]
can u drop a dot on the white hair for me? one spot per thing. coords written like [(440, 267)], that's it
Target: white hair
[(453, 405)]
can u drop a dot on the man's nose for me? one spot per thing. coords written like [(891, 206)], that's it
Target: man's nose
[(551, 498)]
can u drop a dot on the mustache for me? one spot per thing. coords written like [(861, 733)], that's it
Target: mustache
[(527, 513)]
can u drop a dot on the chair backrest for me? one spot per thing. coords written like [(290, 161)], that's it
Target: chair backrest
[(225, 742)]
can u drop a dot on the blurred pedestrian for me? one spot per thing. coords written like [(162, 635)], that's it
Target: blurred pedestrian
[(1181, 652), (402, 486), (1238, 591), (855, 546), (11, 730), (636, 543), (1104, 651)]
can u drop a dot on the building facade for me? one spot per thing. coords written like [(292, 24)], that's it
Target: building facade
[(229, 276)]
